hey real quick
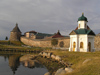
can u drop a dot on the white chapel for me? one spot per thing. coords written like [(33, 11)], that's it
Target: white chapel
[(82, 38)]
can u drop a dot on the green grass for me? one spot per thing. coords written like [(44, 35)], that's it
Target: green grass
[(13, 47), (7, 42), (3, 42), (77, 58), (17, 45)]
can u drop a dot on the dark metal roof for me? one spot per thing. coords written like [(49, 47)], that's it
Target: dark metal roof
[(43, 34), (84, 31), (82, 18), (87, 27), (16, 29)]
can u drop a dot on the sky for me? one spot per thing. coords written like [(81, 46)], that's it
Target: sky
[(47, 16)]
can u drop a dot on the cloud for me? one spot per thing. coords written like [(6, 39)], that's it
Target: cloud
[(47, 15)]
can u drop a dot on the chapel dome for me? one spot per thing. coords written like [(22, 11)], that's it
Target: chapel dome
[(82, 18)]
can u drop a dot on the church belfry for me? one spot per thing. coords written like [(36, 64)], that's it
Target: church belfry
[(82, 22)]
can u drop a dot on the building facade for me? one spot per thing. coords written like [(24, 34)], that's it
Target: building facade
[(82, 38)]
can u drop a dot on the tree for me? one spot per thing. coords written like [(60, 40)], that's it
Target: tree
[(6, 38), (61, 44), (54, 42)]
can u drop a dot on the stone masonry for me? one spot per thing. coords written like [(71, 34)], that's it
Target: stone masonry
[(15, 34), (45, 42)]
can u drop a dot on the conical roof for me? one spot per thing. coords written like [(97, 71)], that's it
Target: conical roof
[(57, 35), (16, 29), (82, 18)]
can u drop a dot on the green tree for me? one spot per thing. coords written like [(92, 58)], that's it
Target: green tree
[(6, 38), (8, 42), (54, 42)]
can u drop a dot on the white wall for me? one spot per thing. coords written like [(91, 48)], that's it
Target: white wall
[(73, 38), (84, 39), (82, 25), (91, 40)]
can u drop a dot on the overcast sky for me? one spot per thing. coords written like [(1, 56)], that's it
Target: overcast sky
[(47, 16)]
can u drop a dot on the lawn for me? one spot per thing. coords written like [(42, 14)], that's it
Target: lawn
[(77, 58)]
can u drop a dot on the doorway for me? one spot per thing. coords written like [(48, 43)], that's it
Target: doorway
[(89, 46), (74, 45)]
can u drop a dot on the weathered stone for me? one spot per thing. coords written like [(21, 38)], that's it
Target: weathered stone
[(15, 34), (48, 73), (53, 56), (58, 58), (49, 55), (68, 69), (41, 53), (44, 42), (45, 54), (60, 71)]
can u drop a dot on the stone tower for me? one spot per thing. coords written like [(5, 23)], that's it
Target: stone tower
[(15, 34)]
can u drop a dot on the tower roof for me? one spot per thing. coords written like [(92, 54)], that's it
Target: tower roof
[(16, 29), (82, 18), (57, 35), (82, 31)]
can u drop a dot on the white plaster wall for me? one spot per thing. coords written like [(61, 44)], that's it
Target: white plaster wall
[(91, 39), (82, 24), (73, 38), (84, 39)]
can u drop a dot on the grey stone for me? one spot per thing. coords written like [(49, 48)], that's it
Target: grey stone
[(45, 54), (48, 73), (60, 71), (68, 69), (49, 55), (58, 58), (53, 56)]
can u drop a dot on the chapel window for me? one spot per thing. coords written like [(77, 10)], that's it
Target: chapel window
[(79, 25), (74, 45), (81, 44)]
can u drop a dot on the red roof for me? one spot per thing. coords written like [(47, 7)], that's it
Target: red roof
[(31, 32), (58, 35)]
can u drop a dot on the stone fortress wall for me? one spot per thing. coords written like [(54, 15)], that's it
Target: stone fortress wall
[(62, 42), (47, 42), (97, 42)]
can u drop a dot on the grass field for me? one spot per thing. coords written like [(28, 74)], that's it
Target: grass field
[(77, 58)]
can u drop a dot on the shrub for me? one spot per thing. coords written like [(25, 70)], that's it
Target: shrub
[(54, 42)]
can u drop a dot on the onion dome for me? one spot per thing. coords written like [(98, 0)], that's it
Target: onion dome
[(82, 18)]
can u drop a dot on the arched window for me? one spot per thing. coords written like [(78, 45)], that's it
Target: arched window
[(81, 44), (89, 46), (79, 26), (74, 46)]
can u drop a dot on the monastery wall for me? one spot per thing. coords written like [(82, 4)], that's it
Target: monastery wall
[(62, 42), (97, 42)]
